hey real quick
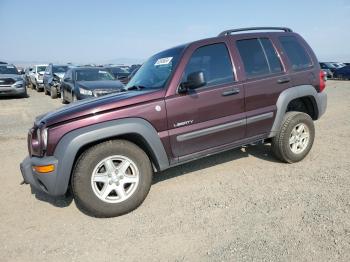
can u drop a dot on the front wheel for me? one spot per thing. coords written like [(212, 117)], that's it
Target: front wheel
[(295, 138), (111, 178), (63, 100), (53, 92)]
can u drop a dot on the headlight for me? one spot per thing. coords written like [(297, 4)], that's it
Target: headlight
[(44, 138), (19, 84), (41, 135), (85, 92)]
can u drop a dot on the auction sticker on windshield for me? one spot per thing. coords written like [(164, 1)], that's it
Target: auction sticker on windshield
[(163, 61)]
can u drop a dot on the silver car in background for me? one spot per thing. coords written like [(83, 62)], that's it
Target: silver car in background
[(36, 77), (12, 82)]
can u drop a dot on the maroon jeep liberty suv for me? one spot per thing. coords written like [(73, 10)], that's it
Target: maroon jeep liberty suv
[(243, 86)]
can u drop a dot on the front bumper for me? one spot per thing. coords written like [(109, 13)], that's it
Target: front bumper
[(11, 90), (45, 182)]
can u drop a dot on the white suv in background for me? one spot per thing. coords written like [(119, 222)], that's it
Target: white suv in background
[(36, 77)]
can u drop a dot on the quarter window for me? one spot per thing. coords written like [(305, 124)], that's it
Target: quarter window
[(214, 61), (259, 57), (296, 52)]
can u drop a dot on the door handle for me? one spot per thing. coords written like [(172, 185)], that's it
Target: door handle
[(231, 92), (283, 80)]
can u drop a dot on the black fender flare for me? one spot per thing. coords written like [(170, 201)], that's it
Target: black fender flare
[(295, 92), (70, 144)]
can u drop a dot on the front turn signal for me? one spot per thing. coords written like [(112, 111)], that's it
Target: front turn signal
[(44, 169)]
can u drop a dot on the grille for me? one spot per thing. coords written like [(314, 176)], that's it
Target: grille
[(7, 81)]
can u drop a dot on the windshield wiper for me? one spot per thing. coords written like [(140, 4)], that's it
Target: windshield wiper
[(135, 87)]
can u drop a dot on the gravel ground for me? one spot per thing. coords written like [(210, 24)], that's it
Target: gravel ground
[(240, 205)]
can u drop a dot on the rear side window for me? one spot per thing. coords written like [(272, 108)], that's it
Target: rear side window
[(259, 57), (214, 61), (273, 60), (296, 52)]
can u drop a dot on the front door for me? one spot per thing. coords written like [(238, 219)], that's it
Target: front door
[(212, 115)]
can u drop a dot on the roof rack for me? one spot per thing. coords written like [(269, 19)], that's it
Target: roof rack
[(228, 32)]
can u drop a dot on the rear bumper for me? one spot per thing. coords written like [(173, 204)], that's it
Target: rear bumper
[(321, 100), (45, 182), (10, 90)]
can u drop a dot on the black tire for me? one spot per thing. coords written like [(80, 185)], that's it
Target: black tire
[(37, 88), (63, 100), (53, 92), (46, 92), (25, 94), (280, 143), (83, 192)]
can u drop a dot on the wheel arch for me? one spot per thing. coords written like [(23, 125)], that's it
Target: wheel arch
[(306, 94), (135, 130)]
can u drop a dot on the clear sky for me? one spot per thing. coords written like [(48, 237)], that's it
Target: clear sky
[(86, 31)]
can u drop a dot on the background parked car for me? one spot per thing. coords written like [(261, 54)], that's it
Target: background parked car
[(328, 68), (52, 79), (85, 82), (342, 73), (338, 65), (36, 77), (120, 73), (11, 82)]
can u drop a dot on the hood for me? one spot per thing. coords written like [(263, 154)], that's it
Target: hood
[(94, 106), (104, 84), (13, 76), (60, 75)]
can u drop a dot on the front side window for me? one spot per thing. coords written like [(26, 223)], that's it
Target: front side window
[(296, 52), (259, 57), (47, 70), (214, 61), (68, 74)]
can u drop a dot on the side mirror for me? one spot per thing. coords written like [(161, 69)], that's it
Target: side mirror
[(194, 80)]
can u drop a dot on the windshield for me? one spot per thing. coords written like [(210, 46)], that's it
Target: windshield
[(40, 68), (59, 69), (93, 75), (329, 65), (9, 69), (155, 72)]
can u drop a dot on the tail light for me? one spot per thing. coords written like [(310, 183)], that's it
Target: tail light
[(322, 80)]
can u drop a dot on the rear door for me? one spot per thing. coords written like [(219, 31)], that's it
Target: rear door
[(210, 116), (265, 79)]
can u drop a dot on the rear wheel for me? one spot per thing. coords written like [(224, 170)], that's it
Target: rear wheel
[(295, 138), (111, 178)]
